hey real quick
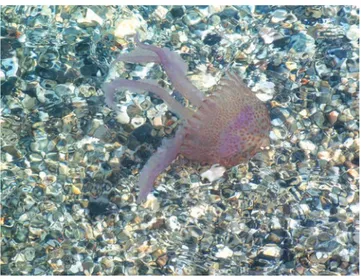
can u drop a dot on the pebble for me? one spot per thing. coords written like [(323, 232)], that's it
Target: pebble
[(203, 80), (75, 190), (2, 75), (137, 121), (279, 15), (197, 211), (353, 33), (215, 20), (214, 173), (161, 12), (267, 34), (91, 19), (152, 203), (29, 254), (128, 26), (270, 251), (157, 121), (308, 146), (224, 252), (332, 117), (177, 11), (324, 155), (173, 223), (276, 213), (10, 66), (348, 142), (192, 17), (122, 115), (265, 90), (212, 39)]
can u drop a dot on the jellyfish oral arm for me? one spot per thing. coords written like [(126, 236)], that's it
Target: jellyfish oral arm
[(157, 163)]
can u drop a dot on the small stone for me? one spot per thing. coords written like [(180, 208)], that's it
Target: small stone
[(215, 20), (265, 90), (28, 102), (348, 142), (332, 117), (152, 203), (161, 12), (271, 251), (224, 253), (277, 122), (278, 133), (114, 162), (75, 190), (29, 254), (300, 270), (88, 267), (173, 223), (304, 113), (75, 268), (291, 65), (324, 155), (353, 173), (203, 80), (346, 116), (212, 39), (321, 69), (137, 121), (214, 173), (157, 121), (177, 11), (2, 75), (338, 157), (353, 33), (122, 115), (192, 17), (269, 35), (10, 66), (308, 146), (197, 211), (356, 237), (318, 118), (91, 19), (279, 15), (128, 27), (162, 260)]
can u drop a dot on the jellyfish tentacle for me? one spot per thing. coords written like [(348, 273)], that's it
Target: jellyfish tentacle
[(157, 163), (141, 86)]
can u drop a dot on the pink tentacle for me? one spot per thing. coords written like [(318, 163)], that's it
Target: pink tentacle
[(156, 164), (176, 69), (140, 86)]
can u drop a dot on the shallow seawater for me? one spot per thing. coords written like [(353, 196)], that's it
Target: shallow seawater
[(70, 164)]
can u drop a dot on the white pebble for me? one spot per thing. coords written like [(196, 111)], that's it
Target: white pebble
[(174, 224), (197, 211), (224, 253), (308, 146), (279, 15), (324, 155), (10, 66), (353, 33), (91, 19), (214, 173), (129, 26), (271, 251), (137, 121), (122, 115), (152, 203), (2, 75), (348, 142)]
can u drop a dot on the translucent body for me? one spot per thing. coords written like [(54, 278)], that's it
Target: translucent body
[(228, 127)]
